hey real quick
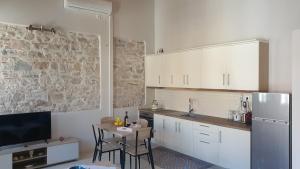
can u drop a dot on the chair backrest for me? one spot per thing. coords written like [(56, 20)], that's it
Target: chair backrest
[(107, 122), (143, 123), (143, 134), (95, 135)]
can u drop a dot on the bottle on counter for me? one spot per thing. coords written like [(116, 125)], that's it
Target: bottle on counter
[(126, 123)]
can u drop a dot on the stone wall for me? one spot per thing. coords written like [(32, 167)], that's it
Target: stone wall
[(129, 73), (44, 71)]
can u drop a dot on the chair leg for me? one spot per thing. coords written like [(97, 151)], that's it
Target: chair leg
[(139, 162), (108, 156), (130, 161), (95, 154), (100, 156), (148, 157), (114, 157), (135, 158), (151, 155)]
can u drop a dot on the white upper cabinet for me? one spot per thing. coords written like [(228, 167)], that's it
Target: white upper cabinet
[(213, 68), (191, 62), (241, 66), (153, 68)]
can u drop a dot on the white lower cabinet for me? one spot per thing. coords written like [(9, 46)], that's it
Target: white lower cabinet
[(6, 161), (206, 142), (174, 134), (234, 150), (226, 147), (62, 153)]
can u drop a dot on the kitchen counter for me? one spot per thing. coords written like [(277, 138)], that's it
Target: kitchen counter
[(200, 118)]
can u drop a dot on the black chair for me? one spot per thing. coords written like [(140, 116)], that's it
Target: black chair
[(138, 148), (105, 145)]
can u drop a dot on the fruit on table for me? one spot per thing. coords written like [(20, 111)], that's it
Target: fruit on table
[(118, 122)]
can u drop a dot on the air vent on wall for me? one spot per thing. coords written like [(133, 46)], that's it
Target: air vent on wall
[(98, 7)]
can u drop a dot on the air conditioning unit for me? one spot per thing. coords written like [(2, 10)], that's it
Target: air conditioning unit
[(98, 7)]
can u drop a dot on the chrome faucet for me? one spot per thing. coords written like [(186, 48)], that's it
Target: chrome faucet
[(191, 110)]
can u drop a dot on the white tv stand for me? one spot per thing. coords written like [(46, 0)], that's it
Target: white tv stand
[(40, 154)]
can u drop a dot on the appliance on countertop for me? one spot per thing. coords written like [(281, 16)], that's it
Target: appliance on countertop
[(155, 105), (270, 137)]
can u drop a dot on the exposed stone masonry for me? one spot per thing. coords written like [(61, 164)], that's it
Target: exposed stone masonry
[(129, 73), (42, 71)]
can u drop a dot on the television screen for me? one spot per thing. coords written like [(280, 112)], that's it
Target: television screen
[(22, 128)]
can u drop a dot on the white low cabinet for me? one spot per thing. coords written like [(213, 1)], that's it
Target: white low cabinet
[(234, 148), (6, 161), (62, 153), (226, 147), (54, 152), (174, 134), (206, 142)]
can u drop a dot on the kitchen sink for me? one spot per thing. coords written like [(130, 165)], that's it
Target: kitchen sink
[(191, 115)]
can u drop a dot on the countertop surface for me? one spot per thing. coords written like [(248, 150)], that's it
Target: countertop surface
[(200, 118)]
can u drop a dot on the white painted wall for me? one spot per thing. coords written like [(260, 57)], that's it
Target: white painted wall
[(181, 24), (296, 99), (78, 125), (134, 20), (52, 13)]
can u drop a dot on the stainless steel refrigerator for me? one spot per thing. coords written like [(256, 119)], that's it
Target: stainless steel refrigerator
[(271, 131)]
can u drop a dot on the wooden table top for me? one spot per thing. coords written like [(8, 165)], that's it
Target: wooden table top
[(113, 130)]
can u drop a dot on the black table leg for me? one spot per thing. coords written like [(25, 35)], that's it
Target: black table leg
[(123, 154)]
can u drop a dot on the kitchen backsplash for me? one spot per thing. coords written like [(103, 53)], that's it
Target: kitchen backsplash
[(209, 103)]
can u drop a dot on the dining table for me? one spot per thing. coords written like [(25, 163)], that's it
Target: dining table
[(124, 134)]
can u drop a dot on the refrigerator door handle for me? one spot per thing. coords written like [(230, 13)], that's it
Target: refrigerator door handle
[(270, 120)]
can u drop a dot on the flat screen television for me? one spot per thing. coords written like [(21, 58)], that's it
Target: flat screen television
[(24, 128)]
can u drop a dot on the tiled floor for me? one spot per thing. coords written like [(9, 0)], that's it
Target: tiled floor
[(86, 159)]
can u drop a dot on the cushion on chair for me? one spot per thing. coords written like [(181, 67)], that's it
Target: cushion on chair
[(141, 150)]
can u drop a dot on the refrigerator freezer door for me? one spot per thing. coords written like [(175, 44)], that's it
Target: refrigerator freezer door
[(270, 145), (271, 106)]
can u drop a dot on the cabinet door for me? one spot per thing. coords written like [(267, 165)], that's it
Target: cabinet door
[(243, 66), (159, 129), (6, 161), (153, 70), (171, 133), (192, 63), (234, 149), (62, 153), (185, 137), (213, 68), (172, 70)]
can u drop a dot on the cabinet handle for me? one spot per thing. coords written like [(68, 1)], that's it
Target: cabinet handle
[(204, 142), (179, 127), (223, 79), (204, 134), (187, 79), (163, 123), (184, 79), (203, 126), (159, 79), (172, 80), (228, 82), (176, 127), (220, 137)]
